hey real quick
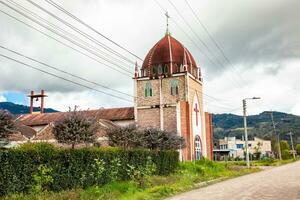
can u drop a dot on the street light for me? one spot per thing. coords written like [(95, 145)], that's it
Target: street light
[(245, 127)]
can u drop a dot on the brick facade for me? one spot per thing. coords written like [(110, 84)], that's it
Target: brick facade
[(177, 111)]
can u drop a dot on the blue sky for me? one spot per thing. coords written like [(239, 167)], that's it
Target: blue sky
[(16, 97)]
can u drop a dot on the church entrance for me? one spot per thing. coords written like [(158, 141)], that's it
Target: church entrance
[(198, 150)]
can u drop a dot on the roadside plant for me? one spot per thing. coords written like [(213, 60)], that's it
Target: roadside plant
[(76, 128), (42, 179), (98, 170), (298, 149), (141, 175), (115, 166)]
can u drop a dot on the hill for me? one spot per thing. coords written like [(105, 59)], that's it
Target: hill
[(258, 125), (17, 109)]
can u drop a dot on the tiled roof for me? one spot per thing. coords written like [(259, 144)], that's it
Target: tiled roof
[(160, 54), (27, 131), (112, 114)]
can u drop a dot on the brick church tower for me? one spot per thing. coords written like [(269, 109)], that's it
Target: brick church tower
[(168, 88)]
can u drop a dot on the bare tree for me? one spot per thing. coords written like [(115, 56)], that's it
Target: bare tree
[(76, 128)]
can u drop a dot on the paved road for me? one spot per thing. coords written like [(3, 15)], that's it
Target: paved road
[(282, 183)]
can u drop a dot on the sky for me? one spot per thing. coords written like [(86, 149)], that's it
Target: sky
[(260, 41)]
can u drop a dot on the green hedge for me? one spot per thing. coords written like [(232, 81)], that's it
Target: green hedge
[(73, 168)]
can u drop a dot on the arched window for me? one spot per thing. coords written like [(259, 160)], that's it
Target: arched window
[(159, 69), (174, 87), (148, 89), (176, 68), (154, 70), (166, 69), (198, 149)]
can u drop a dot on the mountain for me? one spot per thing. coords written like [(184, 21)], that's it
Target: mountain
[(258, 126), (20, 109)]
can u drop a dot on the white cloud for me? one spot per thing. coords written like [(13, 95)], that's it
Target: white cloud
[(258, 37), (2, 98)]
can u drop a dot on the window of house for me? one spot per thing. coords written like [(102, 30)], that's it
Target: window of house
[(239, 146), (148, 89), (174, 87)]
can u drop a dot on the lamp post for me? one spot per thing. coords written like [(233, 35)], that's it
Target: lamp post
[(245, 127)]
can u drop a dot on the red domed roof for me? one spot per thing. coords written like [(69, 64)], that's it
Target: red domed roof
[(170, 52)]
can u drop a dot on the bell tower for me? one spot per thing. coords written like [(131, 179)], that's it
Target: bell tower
[(37, 97), (168, 89)]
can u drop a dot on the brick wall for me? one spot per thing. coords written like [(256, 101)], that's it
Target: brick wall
[(209, 135), (148, 118)]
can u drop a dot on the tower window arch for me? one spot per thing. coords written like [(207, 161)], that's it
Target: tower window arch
[(159, 69), (174, 87), (166, 69), (198, 148), (148, 89)]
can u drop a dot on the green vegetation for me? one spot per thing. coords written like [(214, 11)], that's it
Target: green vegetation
[(187, 177), (42, 167), (259, 126), (265, 162), (298, 149)]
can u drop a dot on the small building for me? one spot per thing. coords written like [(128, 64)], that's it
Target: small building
[(236, 147)]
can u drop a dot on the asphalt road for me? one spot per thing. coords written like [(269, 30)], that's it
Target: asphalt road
[(282, 183)]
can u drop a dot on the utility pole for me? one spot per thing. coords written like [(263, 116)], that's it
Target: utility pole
[(278, 136), (245, 128), (291, 136)]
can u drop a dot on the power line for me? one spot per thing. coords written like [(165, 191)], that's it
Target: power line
[(202, 42), (71, 41), (89, 37), (66, 32), (60, 77), (62, 71), (90, 27), (210, 36)]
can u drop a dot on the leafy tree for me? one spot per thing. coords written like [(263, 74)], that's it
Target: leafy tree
[(76, 128), (125, 137), (298, 149), (7, 124), (284, 147), (154, 139)]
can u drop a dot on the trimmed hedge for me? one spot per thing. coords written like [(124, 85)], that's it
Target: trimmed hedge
[(73, 168)]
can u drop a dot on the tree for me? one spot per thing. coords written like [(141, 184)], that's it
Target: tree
[(125, 137), (298, 149), (76, 128), (285, 147), (7, 124), (154, 139)]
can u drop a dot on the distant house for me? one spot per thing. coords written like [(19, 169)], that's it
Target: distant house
[(38, 127), (236, 147)]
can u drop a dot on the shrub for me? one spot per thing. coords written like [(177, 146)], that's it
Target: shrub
[(7, 125), (75, 128), (298, 149), (153, 139), (55, 169)]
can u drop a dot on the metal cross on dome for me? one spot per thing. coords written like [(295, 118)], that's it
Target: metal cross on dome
[(196, 111), (168, 16)]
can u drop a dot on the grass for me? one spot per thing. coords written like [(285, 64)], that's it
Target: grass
[(258, 163), (158, 187)]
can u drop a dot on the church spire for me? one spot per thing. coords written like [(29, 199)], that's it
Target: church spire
[(168, 17)]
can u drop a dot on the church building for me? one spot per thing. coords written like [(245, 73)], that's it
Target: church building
[(168, 90), (168, 96)]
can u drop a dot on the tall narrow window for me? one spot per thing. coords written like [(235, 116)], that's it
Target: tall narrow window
[(174, 87), (148, 89), (198, 149), (166, 69), (159, 69)]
